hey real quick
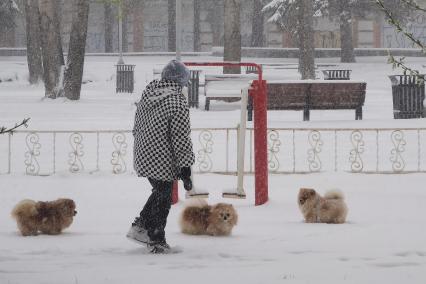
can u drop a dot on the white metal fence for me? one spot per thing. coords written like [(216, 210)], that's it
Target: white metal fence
[(306, 150)]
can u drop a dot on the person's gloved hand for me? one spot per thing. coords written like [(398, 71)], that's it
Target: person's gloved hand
[(185, 176)]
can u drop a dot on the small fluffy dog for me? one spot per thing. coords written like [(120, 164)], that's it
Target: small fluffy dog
[(49, 217), (199, 218), (328, 209)]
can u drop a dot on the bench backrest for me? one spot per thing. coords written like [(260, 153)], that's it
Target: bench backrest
[(318, 95), (224, 85), (338, 74), (230, 77)]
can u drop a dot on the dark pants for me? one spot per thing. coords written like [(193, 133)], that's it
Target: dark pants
[(156, 209)]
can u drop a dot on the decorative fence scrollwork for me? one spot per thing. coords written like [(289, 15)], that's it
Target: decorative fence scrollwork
[(274, 144), (358, 148), (204, 160), (327, 149), (33, 145), (120, 146), (75, 163), (398, 163), (315, 142)]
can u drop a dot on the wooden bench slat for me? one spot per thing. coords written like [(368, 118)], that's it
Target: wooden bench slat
[(312, 95)]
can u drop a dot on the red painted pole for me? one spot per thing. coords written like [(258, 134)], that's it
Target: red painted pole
[(260, 143), (175, 192)]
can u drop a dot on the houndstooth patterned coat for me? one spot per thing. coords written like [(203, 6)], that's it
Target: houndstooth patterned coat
[(162, 132)]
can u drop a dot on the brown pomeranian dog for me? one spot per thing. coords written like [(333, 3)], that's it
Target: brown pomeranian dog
[(199, 218), (49, 217), (328, 209)]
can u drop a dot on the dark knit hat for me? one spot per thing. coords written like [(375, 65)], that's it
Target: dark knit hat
[(176, 71)]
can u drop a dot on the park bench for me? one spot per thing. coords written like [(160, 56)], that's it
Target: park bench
[(337, 74), (309, 95), (226, 87)]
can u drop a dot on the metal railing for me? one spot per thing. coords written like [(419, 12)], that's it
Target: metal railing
[(290, 151)]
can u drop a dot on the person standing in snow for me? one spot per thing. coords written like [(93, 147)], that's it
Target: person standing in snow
[(162, 151)]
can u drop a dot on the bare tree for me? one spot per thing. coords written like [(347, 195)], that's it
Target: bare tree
[(216, 19), (344, 12), (257, 36), (138, 24), (346, 37), (51, 48), (306, 40), (296, 17), (197, 38), (8, 13), (75, 58), (232, 36), (108, 21), (126, 7), (171, 27), (58, 29), (34, 55)]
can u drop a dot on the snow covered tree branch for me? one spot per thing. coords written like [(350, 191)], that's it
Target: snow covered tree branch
[(392, 20), (400, 28)]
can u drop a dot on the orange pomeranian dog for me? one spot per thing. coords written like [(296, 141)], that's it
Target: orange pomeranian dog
[(203, 219), (49, 217), (317, 209)]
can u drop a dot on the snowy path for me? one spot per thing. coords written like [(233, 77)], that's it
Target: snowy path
[(383, 241)]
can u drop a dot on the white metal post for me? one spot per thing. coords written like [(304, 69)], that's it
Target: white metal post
[(242, 142), (240, 193), (178, 29)]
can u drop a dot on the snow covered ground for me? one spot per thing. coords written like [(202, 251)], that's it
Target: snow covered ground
[(382, 242)]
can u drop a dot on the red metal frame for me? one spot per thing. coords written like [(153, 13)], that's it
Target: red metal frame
[(258, 92)]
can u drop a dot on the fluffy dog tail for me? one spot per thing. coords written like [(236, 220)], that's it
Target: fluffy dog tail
[(334, 194), (24, 209), (195, 202)]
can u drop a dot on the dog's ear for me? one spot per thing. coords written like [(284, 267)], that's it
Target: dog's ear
[(312, 192)]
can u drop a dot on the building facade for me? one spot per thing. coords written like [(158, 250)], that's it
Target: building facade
[(147, 28)]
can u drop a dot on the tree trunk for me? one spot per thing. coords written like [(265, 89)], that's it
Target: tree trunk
[(306, 40), (34, 55), (75, 58), (108, 21), (138, 27), (125, 17), (197, 38), (171, 28), (57, 21), (52, 56), (257, 38), (232, 37), (346, 39), (216, 20)]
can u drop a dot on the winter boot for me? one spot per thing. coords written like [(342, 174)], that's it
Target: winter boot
[(161, 247), (138, 232)]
